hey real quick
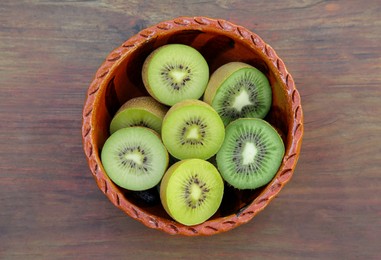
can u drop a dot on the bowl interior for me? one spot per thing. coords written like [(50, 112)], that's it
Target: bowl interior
[(124, 82)]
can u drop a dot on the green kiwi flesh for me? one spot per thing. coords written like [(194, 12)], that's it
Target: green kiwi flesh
[(239, 90), (251, 153), (135, 158), (175, 72), (192, 129), (140, 111), (191, 191)]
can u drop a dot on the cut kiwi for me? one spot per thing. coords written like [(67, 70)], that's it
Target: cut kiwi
[(140, 111), (175, 72), (191, 191), (251, 153), (135, 158), (192, 129), (237, 90)]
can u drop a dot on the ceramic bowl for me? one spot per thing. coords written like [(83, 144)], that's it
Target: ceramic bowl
[(119, 79)]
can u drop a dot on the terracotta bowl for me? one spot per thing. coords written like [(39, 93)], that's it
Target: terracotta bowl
[(119, 79)]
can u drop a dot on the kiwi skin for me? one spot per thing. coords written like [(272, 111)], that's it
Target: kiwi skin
[(219, 76), (144, 103), (164, 183)]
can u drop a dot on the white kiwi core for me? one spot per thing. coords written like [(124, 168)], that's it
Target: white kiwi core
[(135, 157), (195, 192), (178, 75), (248, 153), (241, 100), (193, 133)]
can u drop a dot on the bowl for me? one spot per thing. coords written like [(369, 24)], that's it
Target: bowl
[(118, 79)]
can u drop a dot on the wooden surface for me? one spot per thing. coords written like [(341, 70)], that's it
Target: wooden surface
[(50, 206)]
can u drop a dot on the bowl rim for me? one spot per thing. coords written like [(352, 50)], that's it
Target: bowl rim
[(220, 224)]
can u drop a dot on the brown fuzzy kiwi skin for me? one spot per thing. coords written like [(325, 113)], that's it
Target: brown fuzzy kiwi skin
[(147, 103), (188, 102), (163, 184), (142, 103), (145, 74), (219, 76)]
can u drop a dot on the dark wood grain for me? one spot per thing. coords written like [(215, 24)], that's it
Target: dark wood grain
[(50, 207)]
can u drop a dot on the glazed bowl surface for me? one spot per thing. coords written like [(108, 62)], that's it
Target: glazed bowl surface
[(119, 79)]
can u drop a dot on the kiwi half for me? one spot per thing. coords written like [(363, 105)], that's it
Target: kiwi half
[(192, 129), (191, 191), (175, 72), (251, 153), (135, 158), (238, 90), (140, 111)]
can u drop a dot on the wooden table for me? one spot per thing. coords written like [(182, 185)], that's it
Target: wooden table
[(50, 206)]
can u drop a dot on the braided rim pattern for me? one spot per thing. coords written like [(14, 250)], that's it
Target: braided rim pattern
[(212, 226)]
